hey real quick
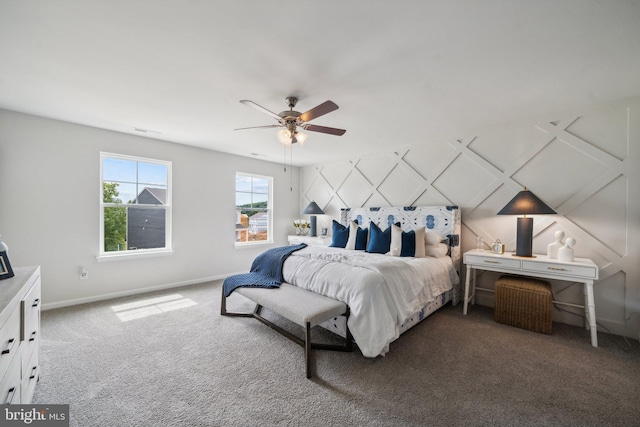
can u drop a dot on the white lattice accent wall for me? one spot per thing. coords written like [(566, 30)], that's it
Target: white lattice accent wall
[(584, 165)]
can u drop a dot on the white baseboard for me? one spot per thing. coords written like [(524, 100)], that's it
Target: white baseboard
[(103, 297)]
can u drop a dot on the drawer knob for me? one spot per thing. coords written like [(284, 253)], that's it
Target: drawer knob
[(491, 262), (557, 268), (9, 347)]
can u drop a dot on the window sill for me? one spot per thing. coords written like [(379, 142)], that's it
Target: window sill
[(253, 244), (129, 255)]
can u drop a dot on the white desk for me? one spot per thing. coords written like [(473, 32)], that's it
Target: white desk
[(581, 270)]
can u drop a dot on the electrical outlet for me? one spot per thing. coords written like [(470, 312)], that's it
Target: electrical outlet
[(84, 274)]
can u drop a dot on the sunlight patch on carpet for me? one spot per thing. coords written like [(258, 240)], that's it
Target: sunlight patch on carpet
[(151, 306)]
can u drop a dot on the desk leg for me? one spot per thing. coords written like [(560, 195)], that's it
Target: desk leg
[(466, 289), (590, 309), (473, 287)]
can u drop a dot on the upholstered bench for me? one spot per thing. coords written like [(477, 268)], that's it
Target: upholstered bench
[(524, 303), (302, 307)]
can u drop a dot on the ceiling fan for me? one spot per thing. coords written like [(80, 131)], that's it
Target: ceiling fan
[(291, 120)]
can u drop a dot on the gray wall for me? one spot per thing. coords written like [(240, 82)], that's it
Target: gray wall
[(49, 187), (584, 164)]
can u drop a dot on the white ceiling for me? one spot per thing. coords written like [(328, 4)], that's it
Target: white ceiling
[(401, 71)]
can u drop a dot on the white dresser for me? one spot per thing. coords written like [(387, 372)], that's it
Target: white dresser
[(19, 335)]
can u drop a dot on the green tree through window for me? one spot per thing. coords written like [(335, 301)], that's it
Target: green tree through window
[(115, 219)]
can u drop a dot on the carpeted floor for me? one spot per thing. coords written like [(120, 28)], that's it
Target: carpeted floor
[(170, 359)]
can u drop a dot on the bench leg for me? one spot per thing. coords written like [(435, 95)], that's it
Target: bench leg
[(307, 349), (224, 312)]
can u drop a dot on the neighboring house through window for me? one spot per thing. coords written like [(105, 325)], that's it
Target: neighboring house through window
[(135, 211), (253, 208)]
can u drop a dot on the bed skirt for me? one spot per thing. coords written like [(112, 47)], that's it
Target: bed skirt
[(337, 324)]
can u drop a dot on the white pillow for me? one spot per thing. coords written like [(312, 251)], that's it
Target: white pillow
[(353, 232), (396, 241), (420, 251), (437, 251), (432, 238)]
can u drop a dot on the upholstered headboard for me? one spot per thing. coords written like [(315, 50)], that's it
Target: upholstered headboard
[(441, 219)]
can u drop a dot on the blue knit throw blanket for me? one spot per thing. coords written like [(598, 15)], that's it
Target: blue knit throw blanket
[(266, 270)]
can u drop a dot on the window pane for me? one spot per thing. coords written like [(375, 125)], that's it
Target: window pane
[(146, 228), (259, 226), (243, 199), (260, 200), (150, 195), (118, 170), (243, 183), (115, 229), (261, 185), (152, 173), (118, 192)]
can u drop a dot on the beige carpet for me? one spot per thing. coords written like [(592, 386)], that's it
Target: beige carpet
[(170, 359)]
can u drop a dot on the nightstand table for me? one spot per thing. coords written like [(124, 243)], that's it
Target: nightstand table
[(581, 270), (311, 241)]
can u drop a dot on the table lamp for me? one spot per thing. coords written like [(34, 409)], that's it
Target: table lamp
[(313, 209), (525, 203)]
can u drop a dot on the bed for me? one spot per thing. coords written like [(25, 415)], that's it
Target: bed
[(387, 295)]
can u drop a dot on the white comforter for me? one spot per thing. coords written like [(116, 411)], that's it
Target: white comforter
[(381, 291)]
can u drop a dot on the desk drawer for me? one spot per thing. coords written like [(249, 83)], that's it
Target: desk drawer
[(573, 270), (488, 261)]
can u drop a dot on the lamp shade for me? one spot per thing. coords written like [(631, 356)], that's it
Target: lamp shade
[(313, 209), (526, 203)]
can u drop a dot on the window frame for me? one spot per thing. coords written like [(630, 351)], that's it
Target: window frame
[(269, 209), (167, 207)]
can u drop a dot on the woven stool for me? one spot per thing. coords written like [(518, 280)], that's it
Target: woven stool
[(524, 303)]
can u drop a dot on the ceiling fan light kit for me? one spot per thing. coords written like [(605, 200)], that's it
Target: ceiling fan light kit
[(291, 120)]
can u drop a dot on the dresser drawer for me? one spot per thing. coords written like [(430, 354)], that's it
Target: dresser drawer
[(488, 261), (9, 340), (31, 312), (10, 391), (30, 375), (574, 269)]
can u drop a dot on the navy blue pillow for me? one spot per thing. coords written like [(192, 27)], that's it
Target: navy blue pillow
[(339, 235), (379, 241), (408, 243), (361, 239)]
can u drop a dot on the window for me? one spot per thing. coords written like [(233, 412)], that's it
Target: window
[(253, 208), (135, 205)]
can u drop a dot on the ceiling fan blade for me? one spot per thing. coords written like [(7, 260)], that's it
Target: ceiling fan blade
[(260, 127), (320, 110), (261, 109), (324, 129)]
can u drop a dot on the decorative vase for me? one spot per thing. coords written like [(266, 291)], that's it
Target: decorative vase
[(298, 231)]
